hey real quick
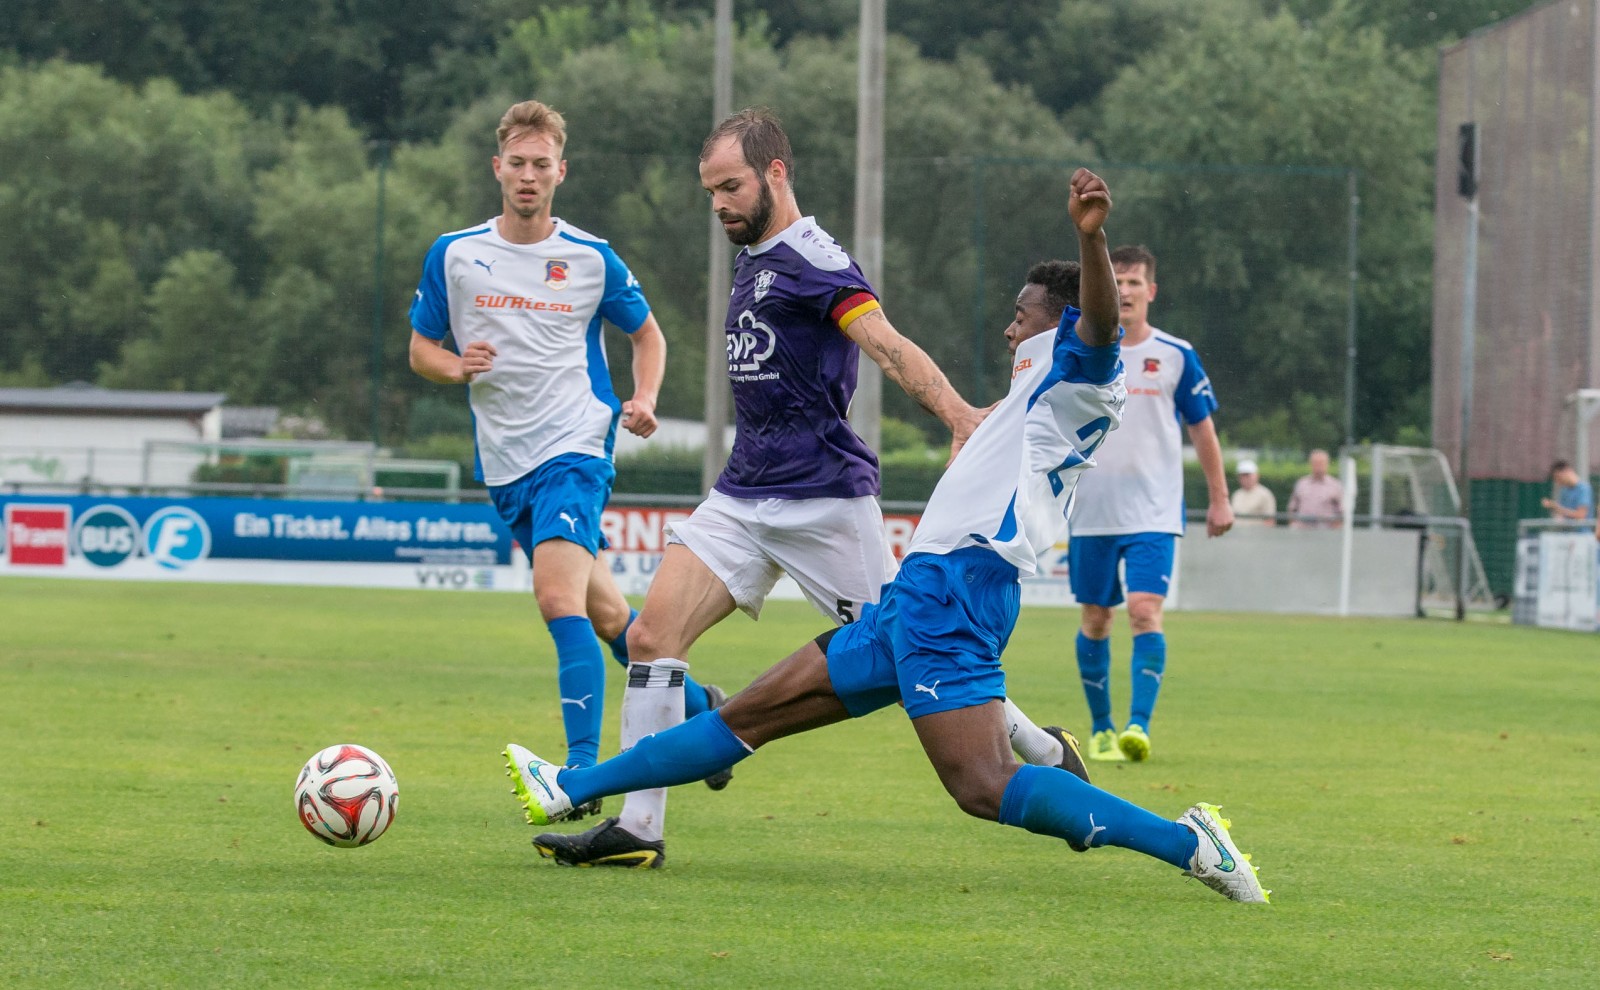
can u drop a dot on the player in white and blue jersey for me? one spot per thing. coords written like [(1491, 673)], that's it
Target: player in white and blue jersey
[(798, 495), (1132, 513), (522, 297), (933, 641)]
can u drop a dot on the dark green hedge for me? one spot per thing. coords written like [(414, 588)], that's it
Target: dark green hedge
[(907, 477)]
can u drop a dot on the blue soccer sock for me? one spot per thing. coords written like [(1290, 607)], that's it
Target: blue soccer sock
[(1051, 801), (1149, 663), (581, 677), (692, 751), (1094, 669), (619, 646), (695, 699)]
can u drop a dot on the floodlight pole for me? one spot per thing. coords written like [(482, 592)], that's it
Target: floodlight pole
[(376, 370), (866, 412), (719, 274), (1469, 342), (1350, 313), (1467, 186)]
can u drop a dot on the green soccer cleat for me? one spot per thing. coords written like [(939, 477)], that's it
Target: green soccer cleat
[(1134, 743), (607, 844), (533, 781), (1217, 862), (1103, 747)]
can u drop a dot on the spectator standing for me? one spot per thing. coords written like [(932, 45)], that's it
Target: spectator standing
[(1252, 498), (1318, 497), (1574, 497)]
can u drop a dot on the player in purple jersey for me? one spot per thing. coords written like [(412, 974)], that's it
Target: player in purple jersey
[(798, 495)]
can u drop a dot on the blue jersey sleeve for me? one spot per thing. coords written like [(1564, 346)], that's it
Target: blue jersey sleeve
[(1195, 399), (430, 309), (1077, 362), (623, 302)]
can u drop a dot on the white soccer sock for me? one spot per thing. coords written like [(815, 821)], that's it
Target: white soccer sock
[(1030, 742), (652, 702)]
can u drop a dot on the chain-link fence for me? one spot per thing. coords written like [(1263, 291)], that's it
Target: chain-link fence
[(1254, 267)]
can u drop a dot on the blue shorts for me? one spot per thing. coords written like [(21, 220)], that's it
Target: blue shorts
[(934, 640), (560, 499), (1092, 566)]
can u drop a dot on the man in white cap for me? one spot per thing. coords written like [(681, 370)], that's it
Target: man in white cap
[(1252, 498)]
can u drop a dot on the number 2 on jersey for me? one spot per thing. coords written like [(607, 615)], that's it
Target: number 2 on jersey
[(1090, 436)]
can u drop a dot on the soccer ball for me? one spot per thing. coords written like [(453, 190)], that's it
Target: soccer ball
[(346, 795)]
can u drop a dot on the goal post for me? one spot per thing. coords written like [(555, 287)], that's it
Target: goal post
[(1416, 482)]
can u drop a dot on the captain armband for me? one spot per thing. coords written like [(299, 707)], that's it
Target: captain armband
[(850, 306)]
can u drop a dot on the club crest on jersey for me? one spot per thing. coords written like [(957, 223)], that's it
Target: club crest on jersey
[(1152, 367), (555, 274), (763, 283)]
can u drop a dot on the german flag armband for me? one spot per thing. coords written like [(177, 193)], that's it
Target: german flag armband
[(850, 305)]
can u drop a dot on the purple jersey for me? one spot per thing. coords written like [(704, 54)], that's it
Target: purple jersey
[(793, 370)]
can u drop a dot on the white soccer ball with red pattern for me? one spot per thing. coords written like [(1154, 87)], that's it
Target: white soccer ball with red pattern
[(346, 795)]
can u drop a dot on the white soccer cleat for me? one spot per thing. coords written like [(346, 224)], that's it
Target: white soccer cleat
[(1217, 862), (533, 781)]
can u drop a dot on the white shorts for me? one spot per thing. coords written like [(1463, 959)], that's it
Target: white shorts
[(833, 548)]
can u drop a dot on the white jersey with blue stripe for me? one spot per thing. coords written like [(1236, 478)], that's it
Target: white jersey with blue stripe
[(1011, 487), (541, 306), (1138, 485)]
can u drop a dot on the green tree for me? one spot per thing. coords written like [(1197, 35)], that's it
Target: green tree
[(638, 110), (354, 56), (1069, 51), (103, 184), (1418, 26), (1253, 268), (316, 225), (194, 307)]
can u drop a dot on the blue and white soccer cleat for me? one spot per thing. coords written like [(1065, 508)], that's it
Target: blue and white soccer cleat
[(533, 781), (1217, 862)]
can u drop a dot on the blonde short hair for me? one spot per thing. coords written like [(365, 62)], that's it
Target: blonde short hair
[(532, 116)]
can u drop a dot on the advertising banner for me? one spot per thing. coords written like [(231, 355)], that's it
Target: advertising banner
[(1565, 589), (353, 544), (638, 537), (258, 541)]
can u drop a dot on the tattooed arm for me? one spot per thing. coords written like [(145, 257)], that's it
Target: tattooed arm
[(910, 367)]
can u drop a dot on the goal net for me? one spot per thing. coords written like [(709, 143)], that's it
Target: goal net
[(1415, 483)]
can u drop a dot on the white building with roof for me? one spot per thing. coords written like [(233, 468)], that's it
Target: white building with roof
[(77, 433)]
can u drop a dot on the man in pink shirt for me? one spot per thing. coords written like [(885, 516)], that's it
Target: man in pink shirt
[(1317, 494)]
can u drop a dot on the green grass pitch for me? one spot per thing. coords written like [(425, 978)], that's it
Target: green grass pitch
[(1422, 796)]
